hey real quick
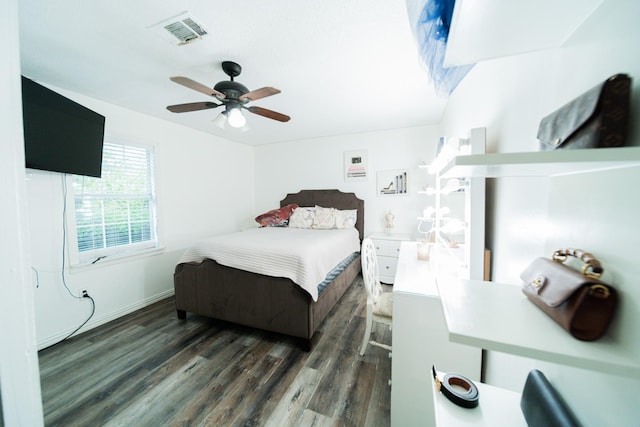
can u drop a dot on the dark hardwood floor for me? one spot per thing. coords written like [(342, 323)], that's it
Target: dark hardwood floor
[(151, 369)]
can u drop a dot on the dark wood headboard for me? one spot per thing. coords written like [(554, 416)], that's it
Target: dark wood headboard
[(329, 199)]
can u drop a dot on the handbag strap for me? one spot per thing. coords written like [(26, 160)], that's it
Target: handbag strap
[(591, 268)]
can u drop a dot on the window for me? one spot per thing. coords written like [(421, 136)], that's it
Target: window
[(116, 214)]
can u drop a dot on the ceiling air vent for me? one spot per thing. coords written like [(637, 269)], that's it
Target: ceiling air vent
[(180, 29)]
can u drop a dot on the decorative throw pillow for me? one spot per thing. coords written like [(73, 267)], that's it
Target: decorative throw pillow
[(301, 218), (346, 218), (324, 218), (276, 217)]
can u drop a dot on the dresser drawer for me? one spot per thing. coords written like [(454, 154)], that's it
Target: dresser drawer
[(390, 248), (387, 268)]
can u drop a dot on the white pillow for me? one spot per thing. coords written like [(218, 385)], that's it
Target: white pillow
[(301, 218), (346, 218), (324, 218)]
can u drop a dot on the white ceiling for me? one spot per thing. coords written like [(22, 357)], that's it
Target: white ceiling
[(343, 66)]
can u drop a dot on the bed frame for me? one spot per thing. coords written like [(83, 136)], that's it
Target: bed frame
[(274, 304)]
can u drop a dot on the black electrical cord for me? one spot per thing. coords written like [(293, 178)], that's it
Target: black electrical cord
[(37, 277), (64, 281), (64, 233), (93, 310)]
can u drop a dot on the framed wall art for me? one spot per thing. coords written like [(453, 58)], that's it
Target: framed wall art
[(392, 182), (356, 165)]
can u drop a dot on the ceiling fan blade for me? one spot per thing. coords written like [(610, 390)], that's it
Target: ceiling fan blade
[(192, 106), (269, 114), (259, 93), (192, 84)]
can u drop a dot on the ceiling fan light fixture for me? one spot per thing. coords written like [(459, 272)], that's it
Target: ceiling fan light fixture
[(235, 118), (220, 120)]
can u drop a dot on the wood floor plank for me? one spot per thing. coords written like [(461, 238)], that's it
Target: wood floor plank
[(272, 389), (160, 403), (150, 368), (201, 395), (215, 386), (332, 388), (105, 405), (310, 418), (99, 369), (292, 404), (379, 405), (354, 409), (238, 383)]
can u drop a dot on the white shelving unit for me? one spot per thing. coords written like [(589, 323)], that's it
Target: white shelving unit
[(528, 332), (498, 316), (541, 163)]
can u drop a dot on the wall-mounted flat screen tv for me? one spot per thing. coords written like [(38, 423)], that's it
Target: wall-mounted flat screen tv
[(60, 135)]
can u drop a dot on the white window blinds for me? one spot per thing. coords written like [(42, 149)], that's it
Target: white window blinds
[(116, 213)]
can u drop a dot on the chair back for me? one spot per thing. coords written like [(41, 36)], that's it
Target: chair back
[(370, 272)]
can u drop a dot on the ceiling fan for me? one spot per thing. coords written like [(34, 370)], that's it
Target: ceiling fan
[(231, 94)]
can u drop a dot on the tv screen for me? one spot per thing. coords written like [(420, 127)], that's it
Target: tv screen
[(60, 135)]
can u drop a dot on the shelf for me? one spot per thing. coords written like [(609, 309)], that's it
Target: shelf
[(499, 317), (496, 407), (478, 27), (541, 163)]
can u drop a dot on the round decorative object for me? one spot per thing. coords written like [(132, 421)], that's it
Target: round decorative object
[(450, 386)]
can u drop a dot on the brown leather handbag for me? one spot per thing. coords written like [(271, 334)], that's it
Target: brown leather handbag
[(577, 300), (598, 118)]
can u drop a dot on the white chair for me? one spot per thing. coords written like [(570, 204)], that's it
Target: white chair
[(379, 304)]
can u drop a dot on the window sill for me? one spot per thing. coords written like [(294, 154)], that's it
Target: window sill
[(115, 259)]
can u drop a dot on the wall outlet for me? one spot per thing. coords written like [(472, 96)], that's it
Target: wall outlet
[(85, 294)]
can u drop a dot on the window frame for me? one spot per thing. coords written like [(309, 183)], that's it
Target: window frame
[(118, 252)]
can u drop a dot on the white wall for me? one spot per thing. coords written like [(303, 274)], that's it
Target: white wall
[(509, 96), (200, 192), (319, 163)]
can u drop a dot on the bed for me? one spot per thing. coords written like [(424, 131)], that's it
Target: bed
[(275, 304)]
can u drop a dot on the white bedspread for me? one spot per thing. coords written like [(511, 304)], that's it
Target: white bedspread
[(303, 255)]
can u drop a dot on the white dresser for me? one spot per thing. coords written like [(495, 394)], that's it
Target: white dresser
[(420, 339), (387, 251)]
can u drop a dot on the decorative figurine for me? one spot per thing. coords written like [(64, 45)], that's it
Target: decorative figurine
[(389, 217)]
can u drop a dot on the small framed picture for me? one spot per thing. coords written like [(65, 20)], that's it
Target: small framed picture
[(392, 182), (356, 164)]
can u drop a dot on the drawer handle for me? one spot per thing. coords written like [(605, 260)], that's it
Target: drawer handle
[(387, 267)]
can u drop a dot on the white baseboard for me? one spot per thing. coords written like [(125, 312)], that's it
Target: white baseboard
[(97, 321)]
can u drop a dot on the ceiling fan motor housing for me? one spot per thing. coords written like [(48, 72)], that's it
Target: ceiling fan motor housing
[(231, 90)]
